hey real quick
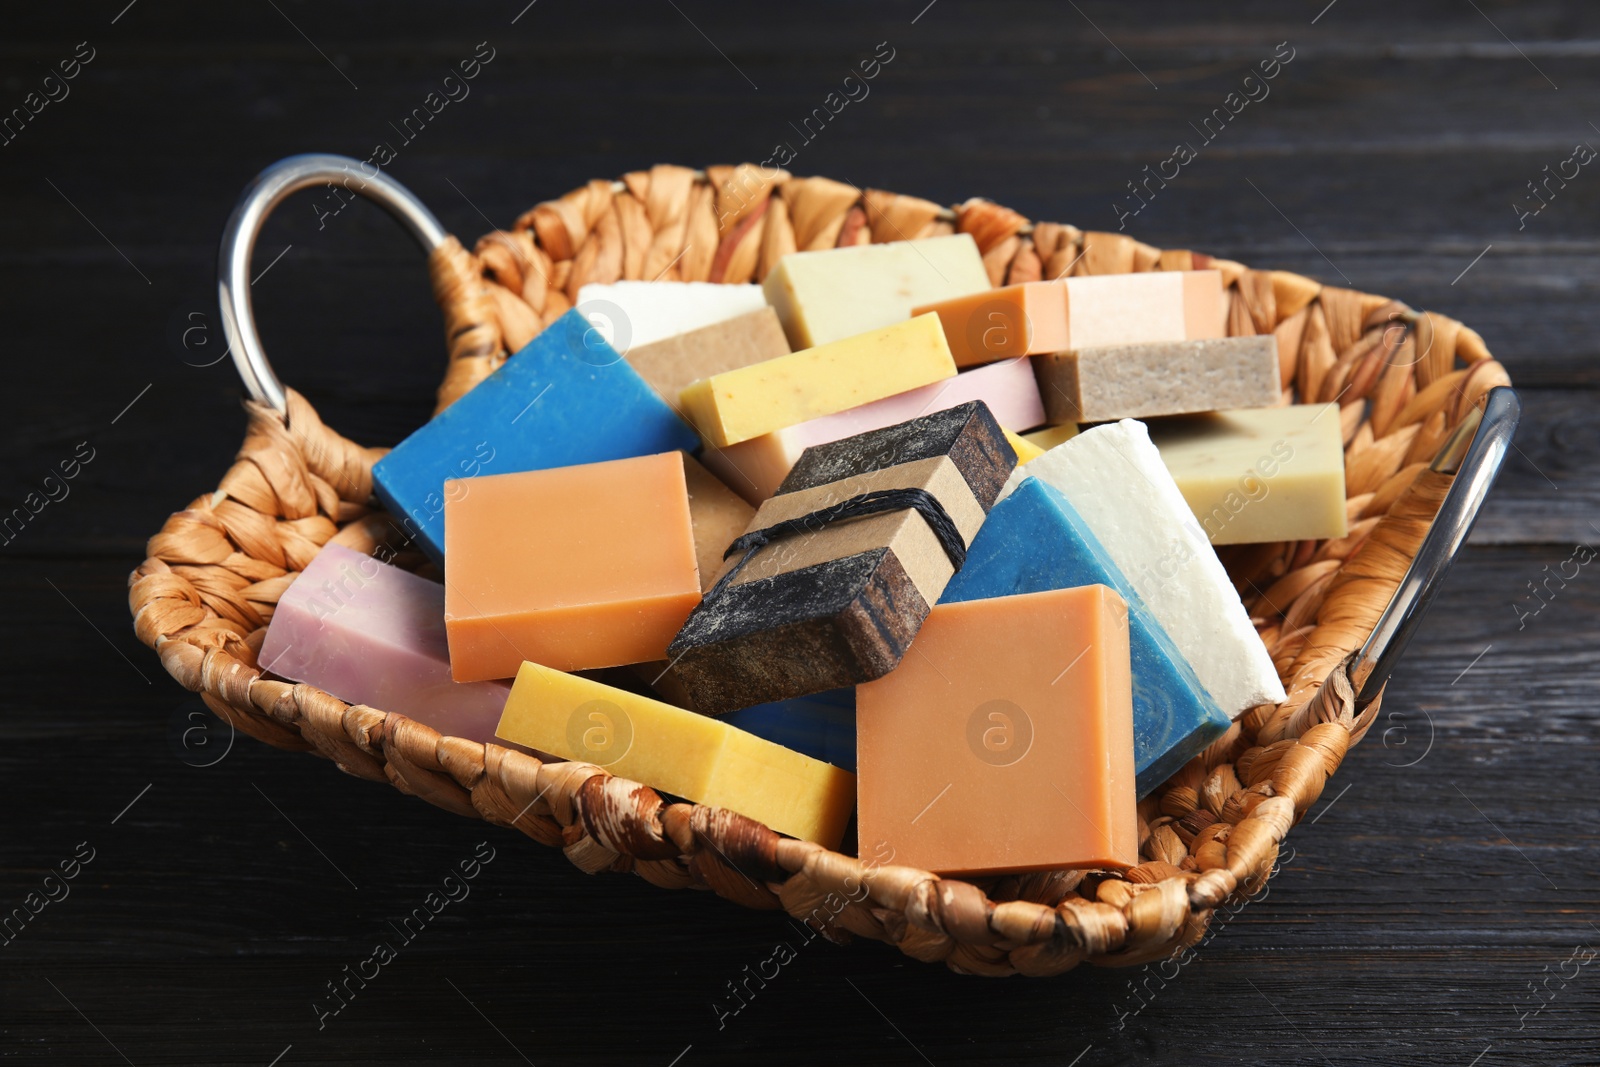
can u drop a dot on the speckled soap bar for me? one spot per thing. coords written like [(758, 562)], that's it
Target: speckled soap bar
[(1033, 540), (1171, 378)]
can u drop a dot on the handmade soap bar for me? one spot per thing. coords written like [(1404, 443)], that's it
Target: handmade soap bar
[(826, 602), (1007, 745), (679, 752), (374, 634), (1033, 540), (1171, 378), (1048, 437), (673, 363), (756, 467), (737, 405), (1090, 310), (839, 292), (632, 314), (1259, 474), (1026, 450), (574, 568), (1114, 478), (822, 726), (565, 398), (718, 515)]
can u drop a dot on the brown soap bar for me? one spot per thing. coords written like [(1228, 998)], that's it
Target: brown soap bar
[(1172, 378), (839, 603), (670, 364), (718, 515)]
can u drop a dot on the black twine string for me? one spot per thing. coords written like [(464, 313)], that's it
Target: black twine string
[(873, 503)]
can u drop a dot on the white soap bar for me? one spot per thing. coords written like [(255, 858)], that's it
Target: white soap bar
[(835, 293), (1113, 476), (629, 314)]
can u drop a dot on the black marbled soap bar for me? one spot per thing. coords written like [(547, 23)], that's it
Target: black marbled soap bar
[(842, 621)]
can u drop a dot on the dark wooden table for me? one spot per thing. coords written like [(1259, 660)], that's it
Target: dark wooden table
[(1439, 907)]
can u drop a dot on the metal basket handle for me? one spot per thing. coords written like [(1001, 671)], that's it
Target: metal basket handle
[(1474, 454), (264, 193)]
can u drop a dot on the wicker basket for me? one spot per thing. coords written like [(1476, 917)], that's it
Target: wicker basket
[(1405, 382)]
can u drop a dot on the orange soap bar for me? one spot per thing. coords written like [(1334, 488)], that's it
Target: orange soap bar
[(1028, 319), (573, 568), (1006, 742), (1090, 311)]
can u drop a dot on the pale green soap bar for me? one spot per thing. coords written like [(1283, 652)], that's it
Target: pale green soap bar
[(1259, 474)]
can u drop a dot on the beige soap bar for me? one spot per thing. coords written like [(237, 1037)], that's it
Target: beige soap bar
[(840, 292), (670, 364), (1172, 378), (718, 515), (1259, 474)]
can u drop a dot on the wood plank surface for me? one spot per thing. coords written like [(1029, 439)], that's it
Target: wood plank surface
[(1440, 906)]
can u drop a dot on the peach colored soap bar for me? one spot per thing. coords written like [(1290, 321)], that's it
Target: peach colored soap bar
[(1007, 744), (1084, 312), (574, 567)]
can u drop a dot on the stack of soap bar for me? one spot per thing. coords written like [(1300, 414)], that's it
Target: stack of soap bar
[(1114, 478), (632, 314), (756, 467), (840, 602), (716, 513), (1007, 745), (1260, 474), (840, 292), (565, 398), (574, 568), (1169, 378), (740, 404), (1093, 310), (1032, 541), (673, 363), (374, 634), (679, 752), (822, 726)]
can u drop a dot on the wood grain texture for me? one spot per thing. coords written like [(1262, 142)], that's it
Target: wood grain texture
[(1413, 913)]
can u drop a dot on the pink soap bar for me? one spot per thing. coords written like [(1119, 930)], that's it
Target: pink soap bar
[(373, 634), (755, 468)]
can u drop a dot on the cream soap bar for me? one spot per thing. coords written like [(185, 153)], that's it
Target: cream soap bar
[(631, 314), (740, 404), (1259, 474), (1114, 478), (755, 468), (679, 752), (839, 292)]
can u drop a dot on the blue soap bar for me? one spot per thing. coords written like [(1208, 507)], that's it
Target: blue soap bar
[(822, 725), (1032, 541), (568, 397)]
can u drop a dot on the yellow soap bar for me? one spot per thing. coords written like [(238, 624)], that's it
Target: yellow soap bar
[(1259, 474), (835, 293), (740, 404), (1024, 448), (680, 752), (1050, 436)]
